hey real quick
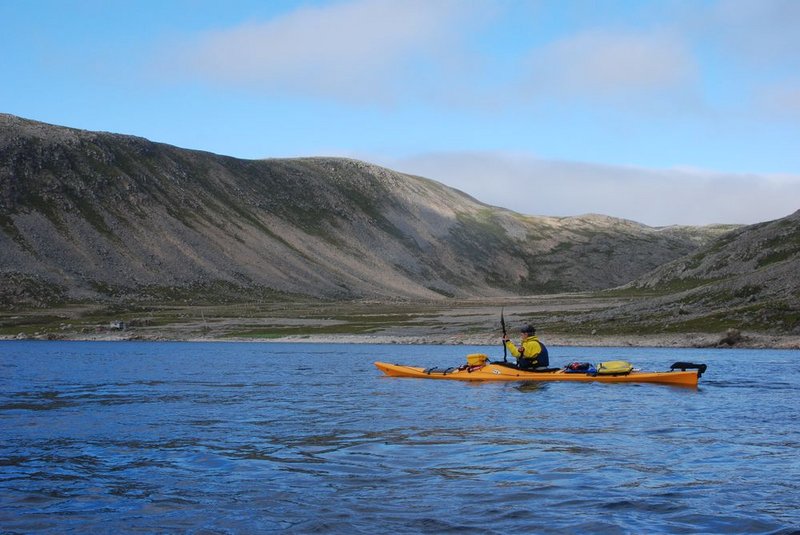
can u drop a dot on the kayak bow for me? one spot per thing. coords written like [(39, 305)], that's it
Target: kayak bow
[(496, 372)]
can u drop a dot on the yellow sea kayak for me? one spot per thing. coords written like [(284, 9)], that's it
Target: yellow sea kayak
[(498, 372)]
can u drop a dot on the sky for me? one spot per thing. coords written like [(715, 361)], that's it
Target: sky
[(663, 112)]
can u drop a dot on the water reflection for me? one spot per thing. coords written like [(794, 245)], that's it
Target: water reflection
[(531, 387)]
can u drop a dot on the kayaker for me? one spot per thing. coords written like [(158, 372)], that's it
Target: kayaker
[(531, 353)]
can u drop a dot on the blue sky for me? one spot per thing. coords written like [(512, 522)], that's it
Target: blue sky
[(665, 112)]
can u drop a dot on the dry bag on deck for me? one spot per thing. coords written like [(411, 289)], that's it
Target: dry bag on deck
[(580, 367), (614, 367), (476, 359)]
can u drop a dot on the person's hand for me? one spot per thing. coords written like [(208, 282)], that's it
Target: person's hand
[(505, 338)]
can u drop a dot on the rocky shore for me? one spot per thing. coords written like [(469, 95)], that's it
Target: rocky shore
[(687, 340), (692, 340)]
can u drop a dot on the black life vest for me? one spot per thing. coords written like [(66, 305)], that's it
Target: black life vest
[(544, 357)]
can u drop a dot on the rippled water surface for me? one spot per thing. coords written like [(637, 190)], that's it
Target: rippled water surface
[(240, 438)]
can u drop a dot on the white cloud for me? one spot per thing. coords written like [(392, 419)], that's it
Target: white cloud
[(655, 197), (781, 100), (604, 64), (758, 43), (364, 50), (387, 52), (764, 32)]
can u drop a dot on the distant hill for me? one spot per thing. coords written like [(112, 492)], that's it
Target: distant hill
[(746, 279), (99, 216)]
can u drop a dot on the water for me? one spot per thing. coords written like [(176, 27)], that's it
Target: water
[(246, 438)]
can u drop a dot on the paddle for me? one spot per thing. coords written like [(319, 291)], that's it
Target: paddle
[(503, 325)]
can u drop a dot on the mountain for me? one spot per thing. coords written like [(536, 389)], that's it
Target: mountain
[(748, 279), (99, 216)]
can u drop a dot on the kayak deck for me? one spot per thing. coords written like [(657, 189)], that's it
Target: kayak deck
[(496, 372)]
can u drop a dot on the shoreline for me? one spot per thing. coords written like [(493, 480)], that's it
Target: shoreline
[(688, 340)]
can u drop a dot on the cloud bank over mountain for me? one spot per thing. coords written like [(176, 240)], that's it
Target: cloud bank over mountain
[(655, 197)]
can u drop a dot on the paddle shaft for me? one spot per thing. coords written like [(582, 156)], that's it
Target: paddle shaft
[(503, 325)]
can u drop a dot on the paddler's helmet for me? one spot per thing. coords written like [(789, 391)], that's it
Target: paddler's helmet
[(528, 329)]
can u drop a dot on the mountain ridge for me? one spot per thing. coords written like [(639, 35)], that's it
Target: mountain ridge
[(93, 215)]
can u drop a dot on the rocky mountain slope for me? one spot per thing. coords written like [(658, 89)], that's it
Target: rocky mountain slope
[(746, 279), (99, 216)]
